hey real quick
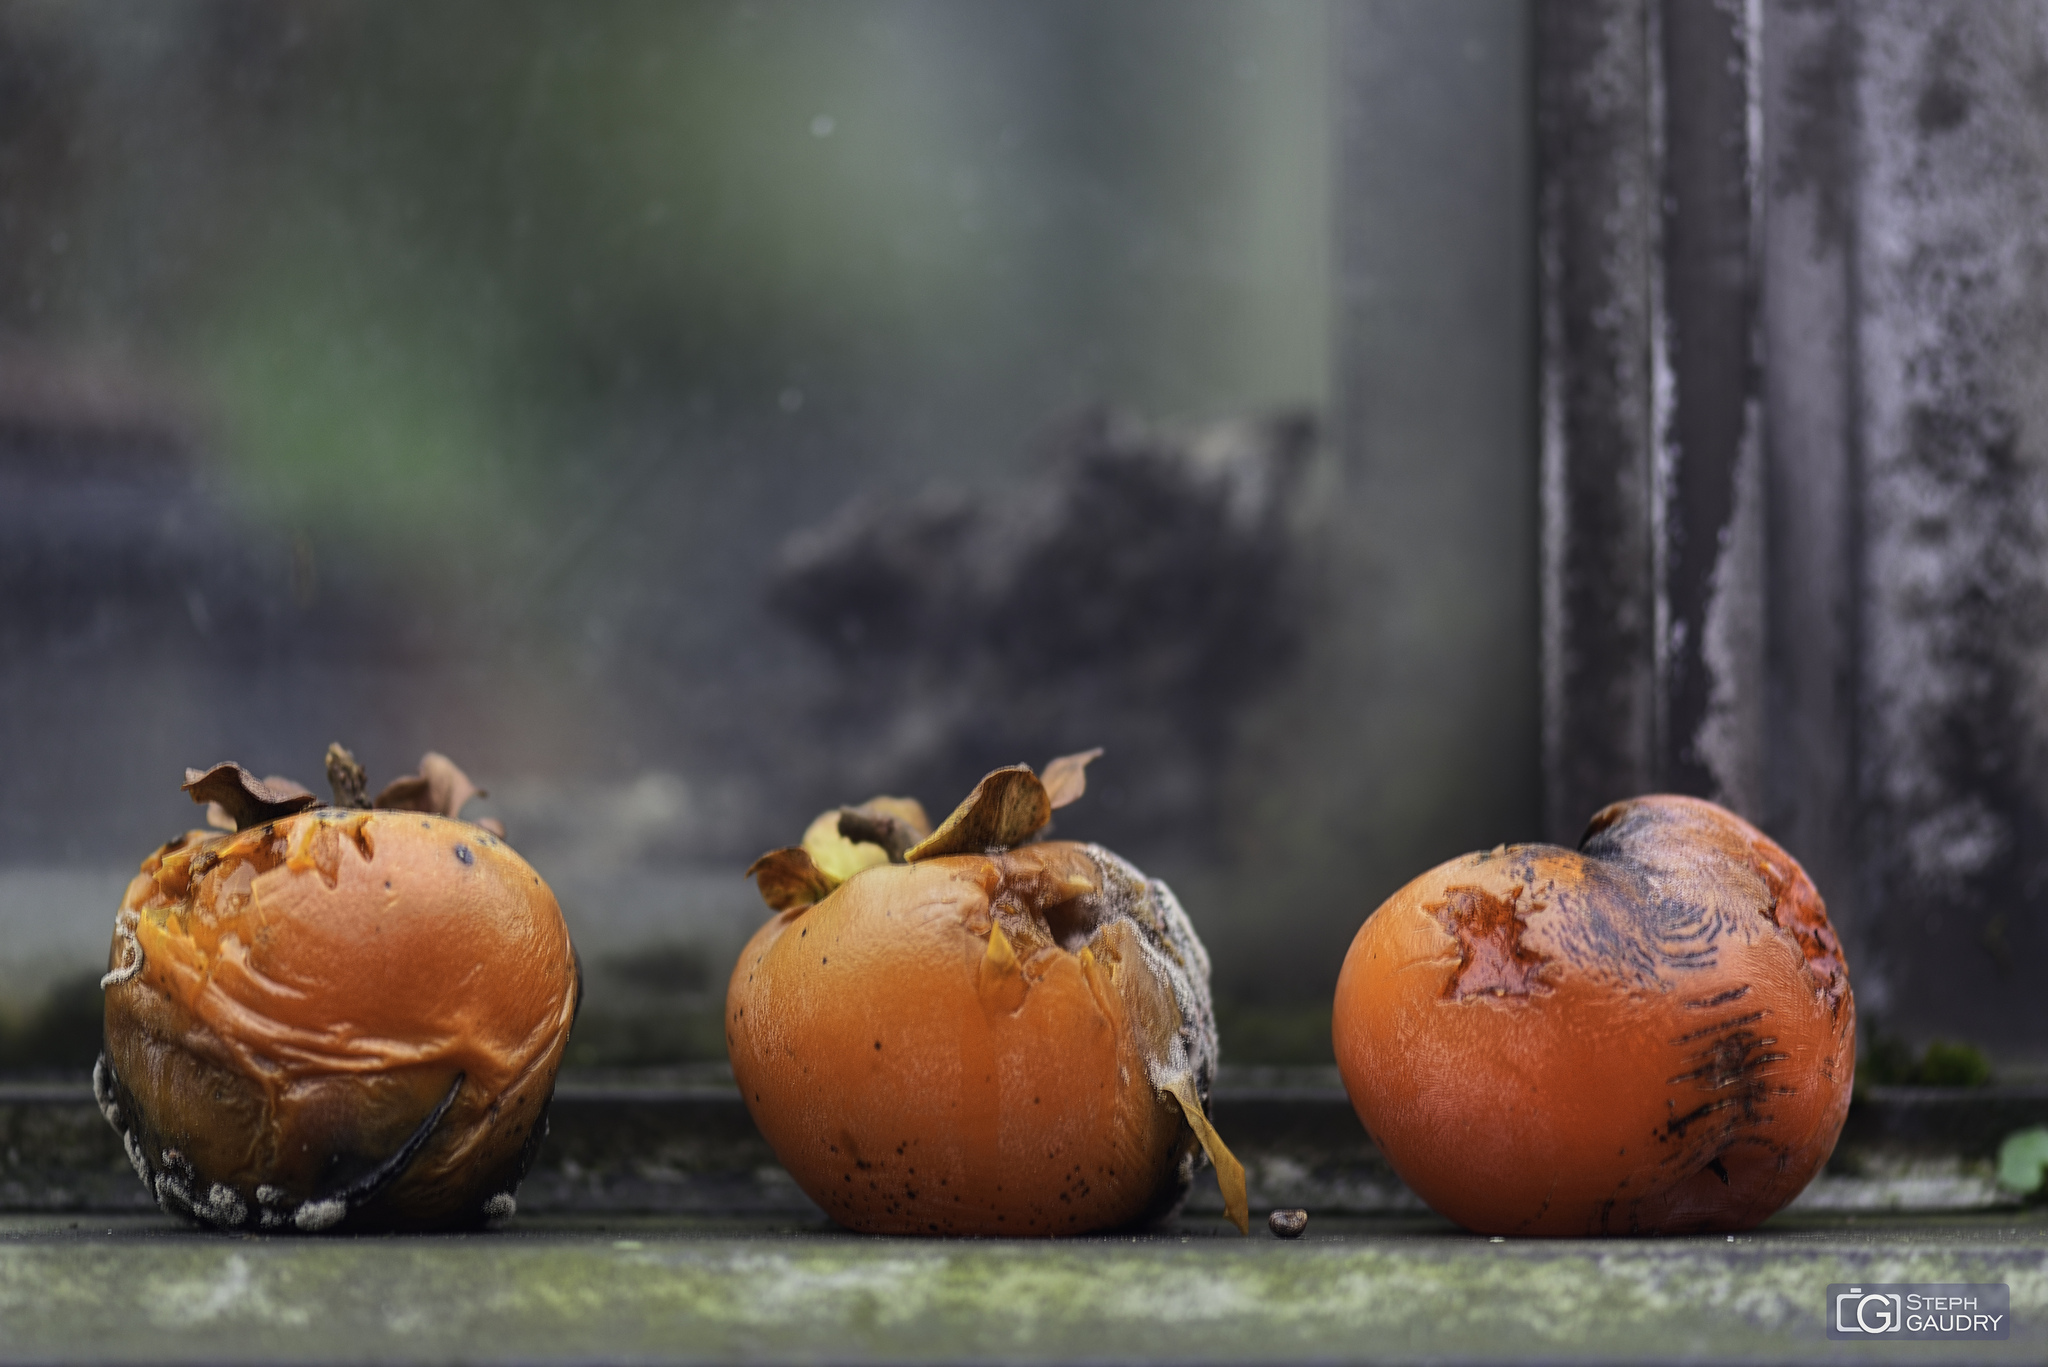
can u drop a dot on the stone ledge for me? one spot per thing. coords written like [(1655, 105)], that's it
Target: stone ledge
[(681, 1141), (769, 1289)]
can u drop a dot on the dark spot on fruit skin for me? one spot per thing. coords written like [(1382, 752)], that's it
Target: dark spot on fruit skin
[(462, 853), (1730, 1024), (1719, 998), (878, 1044)]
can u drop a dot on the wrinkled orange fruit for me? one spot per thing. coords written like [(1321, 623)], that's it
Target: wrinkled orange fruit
[(1650, 1034), (334, 1017), (956, 1032)]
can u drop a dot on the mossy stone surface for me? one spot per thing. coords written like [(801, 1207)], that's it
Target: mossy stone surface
[(135, 1288)]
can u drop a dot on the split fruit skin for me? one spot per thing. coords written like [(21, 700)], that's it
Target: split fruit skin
[(338, 1019), (979, 1044), (1652, 1034)]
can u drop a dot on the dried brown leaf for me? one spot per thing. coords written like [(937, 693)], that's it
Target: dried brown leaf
[(247, 800), (439, 787), (1005, 809), (789, 879), (450, 788), (408, 794), (1066, 778)]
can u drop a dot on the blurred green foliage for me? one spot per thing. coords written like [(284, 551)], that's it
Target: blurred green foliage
[(428, 264), (2023, 1160), (1891, 1062)]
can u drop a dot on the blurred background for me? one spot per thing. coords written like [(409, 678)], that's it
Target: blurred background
[(692, 416)]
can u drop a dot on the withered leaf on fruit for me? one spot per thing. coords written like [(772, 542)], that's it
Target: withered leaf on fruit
[(972, 1029), (248, 800), (335, 1016)]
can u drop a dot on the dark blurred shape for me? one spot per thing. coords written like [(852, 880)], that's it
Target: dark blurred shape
[(1138, 597), (143, 617), (62, 1034), (105, 534), (663, 970), (658, 1004), (1290, 1032)]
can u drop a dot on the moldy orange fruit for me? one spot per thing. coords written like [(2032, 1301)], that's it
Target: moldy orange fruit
[(335, 1017), (1651, 1034), (959, 1032)]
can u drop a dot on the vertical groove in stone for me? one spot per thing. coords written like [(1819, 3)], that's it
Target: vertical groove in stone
[(1809, 395), (1653, 484), (1708, 443), (1596, 208)]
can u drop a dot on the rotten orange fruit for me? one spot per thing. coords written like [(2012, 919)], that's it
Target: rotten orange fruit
[(335, 1017), (1650, 1034), (969, 1031)]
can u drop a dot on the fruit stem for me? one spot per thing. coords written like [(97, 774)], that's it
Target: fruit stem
[(351, 785)]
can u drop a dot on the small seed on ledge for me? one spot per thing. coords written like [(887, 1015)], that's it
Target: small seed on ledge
[(1287, 1224)]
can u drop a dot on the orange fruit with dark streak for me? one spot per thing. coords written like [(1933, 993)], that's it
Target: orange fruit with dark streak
[(335, 1018), (959, 1033), (1653, 1033)]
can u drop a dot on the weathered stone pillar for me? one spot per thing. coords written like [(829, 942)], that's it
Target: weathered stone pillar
[(1795, 434), (1950, 279)]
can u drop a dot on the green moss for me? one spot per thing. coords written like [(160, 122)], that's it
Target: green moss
[(677, 1289)]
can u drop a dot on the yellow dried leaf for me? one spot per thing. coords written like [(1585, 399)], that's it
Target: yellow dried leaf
[(1229, 1172)]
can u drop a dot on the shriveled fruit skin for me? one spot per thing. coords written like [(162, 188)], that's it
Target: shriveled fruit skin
[(970, 1044), (289, 1006), (1651, 1034)]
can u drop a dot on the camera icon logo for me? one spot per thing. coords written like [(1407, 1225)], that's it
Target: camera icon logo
[(1873, 1312), (1917, 1310)]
